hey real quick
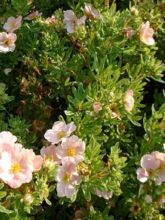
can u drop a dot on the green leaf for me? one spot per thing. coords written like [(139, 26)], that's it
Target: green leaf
[(4, 210)]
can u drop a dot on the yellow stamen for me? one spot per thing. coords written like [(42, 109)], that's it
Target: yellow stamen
[(71, 152), (16, 168), (61, 134), (67, 177)]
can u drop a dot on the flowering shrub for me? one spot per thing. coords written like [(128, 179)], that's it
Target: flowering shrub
[(82, 112)]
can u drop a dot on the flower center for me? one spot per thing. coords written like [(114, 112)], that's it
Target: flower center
[(16, 168), (67, 177), (61, 134), (71, 152), (14, 24)]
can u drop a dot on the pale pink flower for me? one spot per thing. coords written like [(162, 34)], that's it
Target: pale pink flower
[(15, 169), (13, 24), (7, 42), (72, 22), (32, 15), (149, 162), (91, 12), (59, 131), (142, 175), (97, 107), (67, 179), (71, 148), (36, 161), (146, 34), (129, 101), (50, 153), (104, 194)]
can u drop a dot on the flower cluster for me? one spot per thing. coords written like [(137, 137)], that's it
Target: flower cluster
[(7, 40), (152, 167), (67, 154), (16, 163)]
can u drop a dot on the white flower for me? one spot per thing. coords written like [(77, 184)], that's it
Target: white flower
[(146, 34), (59, 131), (13, 24), (7, 42)]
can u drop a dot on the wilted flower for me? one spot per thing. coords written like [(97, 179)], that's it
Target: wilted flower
[(59, 131), (72, 22), (104, 194), (67, 179), (129, 32), (91, 12), (148, 199), (97, 107), (51, 20), (71, 148), (146, 34), (33, 15), (129, 100), (13, 24), (7, 42)]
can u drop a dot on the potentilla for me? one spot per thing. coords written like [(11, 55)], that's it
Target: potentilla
[(91, 12), (71, 148), (32, 15), (16, 163), (152, 166), (13, 24), (146, 34), (72, 22), (7, 42), (59, 131), (67, 179)]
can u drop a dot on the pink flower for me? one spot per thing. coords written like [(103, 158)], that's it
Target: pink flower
[(33, 15), (59, 131), (97, 107), (71, 148), (7, 42), (13, 24), (153, 165), (129, 32), (50, 153), (91, 12), (104, 194), (67, 179), (149, 162), (129, 101), (16, 163), (142, 175), (72, 22), (146, 34)]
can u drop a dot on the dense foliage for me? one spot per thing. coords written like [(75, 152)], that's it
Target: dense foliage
[(82, 109)]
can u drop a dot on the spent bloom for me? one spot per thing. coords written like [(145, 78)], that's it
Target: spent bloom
[(33, 15), (72, 22), (71, 148), (13, 24), (7, 42), (146, 34), (104, 194), (129, 100), (91, 12), (97, 107), (67, 179), (152, 165), (59, 131), (16, 163)]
